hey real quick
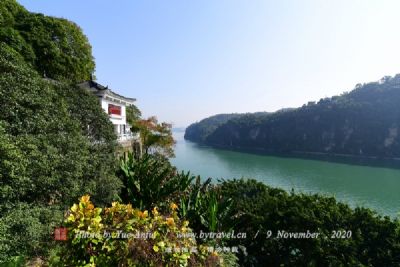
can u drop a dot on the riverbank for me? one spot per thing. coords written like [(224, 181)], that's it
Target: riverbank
[(355, 184), (361, 160)]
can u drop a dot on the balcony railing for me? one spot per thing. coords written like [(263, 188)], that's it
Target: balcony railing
[(128, 137)]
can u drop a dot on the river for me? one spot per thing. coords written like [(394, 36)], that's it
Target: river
[(373, 187)]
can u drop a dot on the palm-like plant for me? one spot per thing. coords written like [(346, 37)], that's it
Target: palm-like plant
[(206, 208), (151, 180)]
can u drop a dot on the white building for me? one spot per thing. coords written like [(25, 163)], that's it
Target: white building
[(115, 106)]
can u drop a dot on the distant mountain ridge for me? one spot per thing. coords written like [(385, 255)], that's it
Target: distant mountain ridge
[(364, 122), (198, 132)]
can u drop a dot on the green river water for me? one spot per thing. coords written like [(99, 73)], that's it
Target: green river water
[(373, 187)]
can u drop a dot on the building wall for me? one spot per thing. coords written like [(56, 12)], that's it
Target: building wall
[(115, 119)]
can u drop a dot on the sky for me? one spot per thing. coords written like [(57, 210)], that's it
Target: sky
[(187, 60)]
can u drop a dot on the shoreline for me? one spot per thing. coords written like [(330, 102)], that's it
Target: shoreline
[(371, 161)]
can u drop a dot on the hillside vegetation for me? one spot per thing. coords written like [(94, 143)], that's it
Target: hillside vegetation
[(364, 122), (199, 132), (56, 143)]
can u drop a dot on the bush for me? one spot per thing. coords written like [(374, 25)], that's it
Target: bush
[(151, 180), (206, 208), (17, 261), (113, 238), (375, 240), (27, 230)]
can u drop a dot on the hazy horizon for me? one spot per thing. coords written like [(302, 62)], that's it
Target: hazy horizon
[(185, 61)]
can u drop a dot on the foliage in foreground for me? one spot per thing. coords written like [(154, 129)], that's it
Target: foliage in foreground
[(374, 241), (27, 230), (136, 238), (56, 143), (151, 180), (259, 211), (207, 208)]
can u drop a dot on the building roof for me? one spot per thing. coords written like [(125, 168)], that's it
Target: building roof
[(102, 91)]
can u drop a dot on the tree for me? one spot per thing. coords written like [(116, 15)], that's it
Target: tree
[(56, 47), (56, 143), (10, 10), (156, 137), (40, 120), (133, 114)]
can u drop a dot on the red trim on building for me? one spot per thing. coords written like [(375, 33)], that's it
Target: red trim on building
[(113, 109)]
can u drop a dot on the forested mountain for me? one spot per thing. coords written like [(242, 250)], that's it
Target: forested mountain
[(198, 132), (363, 122)]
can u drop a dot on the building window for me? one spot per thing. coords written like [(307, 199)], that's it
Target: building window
[(114, 110)]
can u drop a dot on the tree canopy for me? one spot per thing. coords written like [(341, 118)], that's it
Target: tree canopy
[(156, 137), (56, 47), (56, 142)]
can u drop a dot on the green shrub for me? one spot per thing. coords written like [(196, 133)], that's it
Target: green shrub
[(151, 180), (17, 261), (27, 230), (118, 249), (375, 240), (206, 208)]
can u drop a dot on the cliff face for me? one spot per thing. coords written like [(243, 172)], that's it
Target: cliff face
[(363, 122)]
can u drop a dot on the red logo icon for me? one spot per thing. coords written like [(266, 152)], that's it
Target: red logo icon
[(60, 234)]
